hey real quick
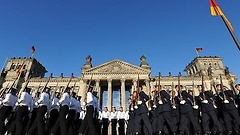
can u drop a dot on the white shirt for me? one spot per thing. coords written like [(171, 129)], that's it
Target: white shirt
[(74, 104), (44, 99), (82, 115), (113, 115), (105, 115), (65, 99), (89, 98), (121, 115), (126, 115), (10, 100), (25, 100), (54, 103)]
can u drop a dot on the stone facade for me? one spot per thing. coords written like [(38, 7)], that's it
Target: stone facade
[(115, 74)]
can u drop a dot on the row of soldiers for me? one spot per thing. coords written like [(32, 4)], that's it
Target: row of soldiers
[(181, 112), (40, 114), (27, 115)]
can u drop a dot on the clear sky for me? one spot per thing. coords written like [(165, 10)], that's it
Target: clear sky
[(64, 32)]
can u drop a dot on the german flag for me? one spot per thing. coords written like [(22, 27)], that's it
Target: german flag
[(33, 50), (20, 68), (216, 11), (199, 50)]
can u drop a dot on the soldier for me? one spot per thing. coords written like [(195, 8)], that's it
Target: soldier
[(54, 112), (64, 103), (229, 109), (164, 112), (88, 122), (74, 105), (121, 121), (24, 107), (33, 113), (105, 120), (206, 102), (142, 112), (113, 119), (7, 105), (186, 112), (77, 122), (42, 103)]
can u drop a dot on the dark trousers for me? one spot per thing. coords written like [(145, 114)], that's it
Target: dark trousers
[(38, 124), (229, 116), (206, 117), (32, 119), (61, 122), (105, 122), (143, 117), (166, 118), (77, 123), (114, 126), (22, 113), (52, 120), (88, 122), (70, 121), (187, 117), (4, 113), (121, 129)]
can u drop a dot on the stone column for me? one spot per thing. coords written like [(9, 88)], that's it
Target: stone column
[(109, 94), (98, 89), (134, 85), (123, 94), (147, 83)]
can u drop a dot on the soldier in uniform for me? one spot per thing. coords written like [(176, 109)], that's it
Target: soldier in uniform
[(7, 105), (142, 112), (33, 113), (164, 112), (54, 112), (206, 103), (61, 123), (42, 103), (24, 107), (229, 109), (186, 112), (74, 105), (88, 122)]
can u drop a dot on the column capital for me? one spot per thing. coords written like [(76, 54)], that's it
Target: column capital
[(123, 80), (97, 80), (109, 80)]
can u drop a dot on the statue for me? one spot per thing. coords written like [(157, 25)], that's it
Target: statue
[(226, 71), (143, 60), (88, 60), (88, 63), (209, 70)]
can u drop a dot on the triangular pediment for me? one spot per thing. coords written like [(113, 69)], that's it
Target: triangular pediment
[(117, 67)]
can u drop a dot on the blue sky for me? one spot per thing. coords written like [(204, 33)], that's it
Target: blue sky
[(64, 32)]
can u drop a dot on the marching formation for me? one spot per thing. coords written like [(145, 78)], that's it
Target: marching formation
[(176, 111), (180, 112)]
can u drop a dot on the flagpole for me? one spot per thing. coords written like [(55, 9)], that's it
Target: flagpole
[(232, 34)]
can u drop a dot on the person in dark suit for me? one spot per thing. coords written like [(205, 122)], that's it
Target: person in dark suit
[(164, 112), (229, 109), (142, 112), (205, 101), (186, 112)]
